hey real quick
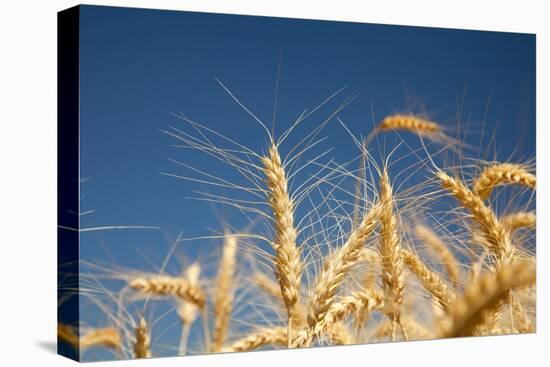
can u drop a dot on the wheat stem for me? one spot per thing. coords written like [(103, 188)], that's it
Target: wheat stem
[(187, 310), (223, 299)]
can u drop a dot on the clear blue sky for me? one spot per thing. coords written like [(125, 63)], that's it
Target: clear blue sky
[(139, 66)]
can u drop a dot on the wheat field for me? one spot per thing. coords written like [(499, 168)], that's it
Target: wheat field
[(368, 261)]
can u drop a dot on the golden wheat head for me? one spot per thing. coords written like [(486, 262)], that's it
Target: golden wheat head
[(502, 174), (170, 286), (482, 298), (288, 261)]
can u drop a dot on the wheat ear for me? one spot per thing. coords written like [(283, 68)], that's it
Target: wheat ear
[(187, 310), (383, 330), (416, 330), (169, 286), (430, 280), (337, 265), (502, 174), (288, 264), (390, 254), (142, 343), (494, 233), (340, 335), (522, 322), (223, 298), (371, 258), (408, 122), (260, 338), (448, 259), (518, 220), (65, 333), (483, 296), (270, 287), (359, 303), (107, 337)]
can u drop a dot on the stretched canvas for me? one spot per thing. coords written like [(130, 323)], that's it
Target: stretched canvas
[(233, 183)]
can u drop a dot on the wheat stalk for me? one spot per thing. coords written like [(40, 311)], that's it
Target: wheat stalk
[(268, 285), (223, 298), (65, 333), (482, 297), (414, 328), (513, 222), (142, 342), (260, 338), (340, 335), (342, 294), (337, 265), (288, 263), (390, 254), (187, 310), (359, 303), (430, 280), (371, 258), (502, 174), (408, 122), (494, 233), (107, 337), (417, 330), (434, 242), (522, 322), (169, 286)]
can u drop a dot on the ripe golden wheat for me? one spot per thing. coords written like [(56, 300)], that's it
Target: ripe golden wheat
[(223, 298), (518, 220), (142, 342), (482, 298), (287, 254), (358, 277), (409, 122), (169, 286), (391, 260), (430, 280), (494, 233), (502, 174), (434, 243)]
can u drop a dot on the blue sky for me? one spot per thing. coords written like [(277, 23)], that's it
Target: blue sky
[(139, 66)]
